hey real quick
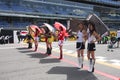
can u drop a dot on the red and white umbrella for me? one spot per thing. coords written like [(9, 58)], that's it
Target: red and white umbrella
[(57, 25), (34, 27), (66, 34)]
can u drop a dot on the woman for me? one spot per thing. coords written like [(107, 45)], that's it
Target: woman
[(36, 39), (61, 36), (49, 42), (29, 40), (93, 37), (80, 44), (46, 34)]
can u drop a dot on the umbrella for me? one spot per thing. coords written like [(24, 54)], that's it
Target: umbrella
[(49, 27), (32, 30), (66, 34), (34, 27), (57, 25), (99, 25)]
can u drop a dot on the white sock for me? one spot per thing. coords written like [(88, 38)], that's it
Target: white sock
[(80, 62), (91, 65)]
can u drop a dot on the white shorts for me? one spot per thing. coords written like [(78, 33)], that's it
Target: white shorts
[(60, 42), (36, 39)]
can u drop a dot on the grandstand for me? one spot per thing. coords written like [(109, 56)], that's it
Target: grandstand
[(17, 14), (108, 3), (107, 10)]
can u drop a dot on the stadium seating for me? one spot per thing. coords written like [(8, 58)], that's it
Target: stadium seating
[(4, 24), (49, 7), (4, 7), (20, 24), (109, 2), (17, 8)]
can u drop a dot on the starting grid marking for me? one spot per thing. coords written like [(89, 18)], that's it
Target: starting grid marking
[(98, 58)]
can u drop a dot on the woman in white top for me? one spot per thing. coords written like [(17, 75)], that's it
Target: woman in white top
[(93, 37), (80, 44)]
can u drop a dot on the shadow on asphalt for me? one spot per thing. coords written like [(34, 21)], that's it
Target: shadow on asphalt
[(37, 55), (23, 48), (51, 60), (72, 73), (27, 51), (32, 53)]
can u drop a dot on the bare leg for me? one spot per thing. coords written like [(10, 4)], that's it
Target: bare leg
[(117, 44), (61, 55), (88, 55), (47, 48), (80, 58), (89, 61), (92, 61), (36, 45)]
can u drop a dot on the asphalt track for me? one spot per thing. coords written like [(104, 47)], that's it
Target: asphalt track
[(19, 63)]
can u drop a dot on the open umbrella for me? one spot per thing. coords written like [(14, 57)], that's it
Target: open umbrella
[(57, 25), (32, 30), (34, 27), (49, 27), (66, 34), (99, 25)]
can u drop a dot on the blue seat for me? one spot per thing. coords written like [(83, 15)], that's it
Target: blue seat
[(4, 7)]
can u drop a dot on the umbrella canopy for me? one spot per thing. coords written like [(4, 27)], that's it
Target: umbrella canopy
[(34, 27), (49, 27), (66, 34), (99, 25), (57, 25)]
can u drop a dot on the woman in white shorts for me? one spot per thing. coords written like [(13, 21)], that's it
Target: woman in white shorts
[(80, 43), (61, 37), (93, 37)]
